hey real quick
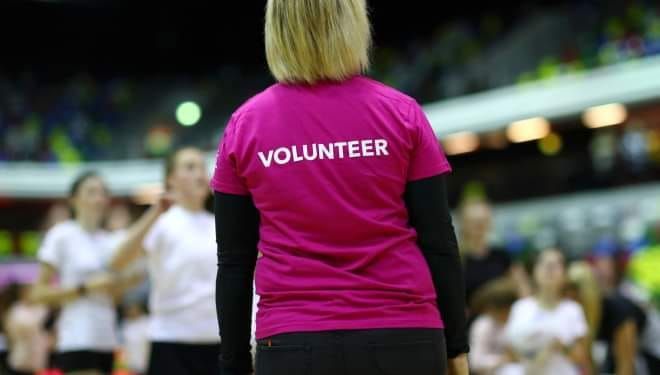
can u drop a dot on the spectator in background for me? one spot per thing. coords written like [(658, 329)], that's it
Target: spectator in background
[(621, 320), (482, 262), (612, 322), (135, 337), (179, 245), (28, 341), (77, 252), (492, 302), (547, 333)]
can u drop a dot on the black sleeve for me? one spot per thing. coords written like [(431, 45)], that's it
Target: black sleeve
[(237, 234), (429, 214)]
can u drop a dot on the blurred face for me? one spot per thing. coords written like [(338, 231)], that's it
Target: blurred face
[(605, 271), (91, 200), (549, 271), (189, 178), (476, 221)]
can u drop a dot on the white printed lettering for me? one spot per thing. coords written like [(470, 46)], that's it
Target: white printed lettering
[(340, 146), (296, 157), (282, 160), (266, 160), (326, 151), (381, 147), (368, 147), (307, 155), (354, 149)]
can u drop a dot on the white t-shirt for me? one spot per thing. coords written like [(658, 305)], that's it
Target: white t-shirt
[(135, 336), (182, 264), (487, 344), (531, 328), (87, 323)]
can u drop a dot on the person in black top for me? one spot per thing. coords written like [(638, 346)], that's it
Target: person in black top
[(483, 263)]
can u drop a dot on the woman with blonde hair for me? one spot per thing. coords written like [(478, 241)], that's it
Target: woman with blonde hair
[(330, 193)]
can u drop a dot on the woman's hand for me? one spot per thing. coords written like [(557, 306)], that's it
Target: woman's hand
[(458, 365)]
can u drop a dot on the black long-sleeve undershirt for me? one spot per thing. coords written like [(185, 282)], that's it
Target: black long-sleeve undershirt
[(429, 214), (237, 234)]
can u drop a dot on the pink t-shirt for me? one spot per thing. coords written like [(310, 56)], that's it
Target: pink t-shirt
[(327, 166)]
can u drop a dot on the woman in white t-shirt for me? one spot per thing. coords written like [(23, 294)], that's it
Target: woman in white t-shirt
[(547, 332), (76, 253), (179, 243)]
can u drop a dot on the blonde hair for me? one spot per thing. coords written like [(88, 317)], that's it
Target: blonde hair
[(308, 41)]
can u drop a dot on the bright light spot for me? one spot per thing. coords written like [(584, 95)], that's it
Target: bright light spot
[(188, 113), (460, 143), (551, 144), (605, 115), (528, 130)]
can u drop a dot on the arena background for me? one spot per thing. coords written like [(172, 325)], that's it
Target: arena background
[(549, 110)]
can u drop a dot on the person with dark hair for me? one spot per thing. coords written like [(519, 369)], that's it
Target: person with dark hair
[(492, 305), (179, 246), (331, 195), (546, 332), (77, 252)]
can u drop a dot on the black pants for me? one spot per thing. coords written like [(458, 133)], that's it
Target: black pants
[(183, 359), (81, 360), (363, 352)]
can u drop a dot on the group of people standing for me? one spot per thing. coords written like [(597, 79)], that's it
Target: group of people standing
[(85, 269)]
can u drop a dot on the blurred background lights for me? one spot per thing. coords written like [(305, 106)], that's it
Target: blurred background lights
[(528, 130), (460, 143), (188, 113), (551, 144), (604, 115)]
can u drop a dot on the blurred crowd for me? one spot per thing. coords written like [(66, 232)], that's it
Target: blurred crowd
[(81, 119), (543, 310), (550, 312)]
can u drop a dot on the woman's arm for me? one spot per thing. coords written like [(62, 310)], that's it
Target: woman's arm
[(44, 292), (625, 347), (131, 247), (429, 214), (579, 353), (237, 235)]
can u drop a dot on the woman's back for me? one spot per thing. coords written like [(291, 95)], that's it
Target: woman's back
[(327, 166)]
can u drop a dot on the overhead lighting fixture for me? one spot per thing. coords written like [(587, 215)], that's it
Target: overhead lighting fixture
[(605, 115), (460, 143), (528, 130)]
